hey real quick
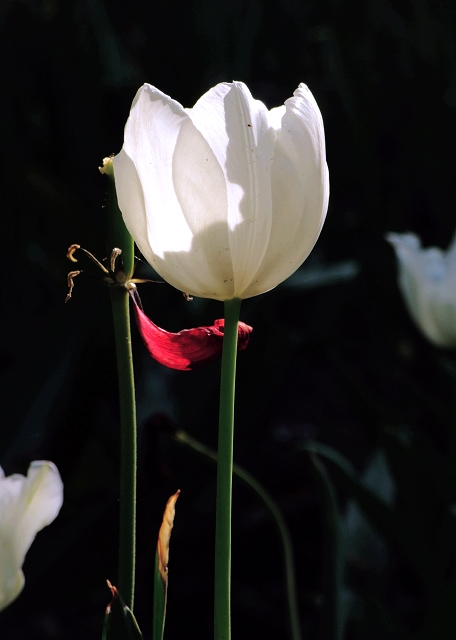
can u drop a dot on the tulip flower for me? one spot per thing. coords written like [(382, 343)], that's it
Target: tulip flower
[(427, 279), (27, 504), (187, 349), (227, 199)]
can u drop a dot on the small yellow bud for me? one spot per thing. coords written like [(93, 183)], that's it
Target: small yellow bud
[(107, 167)]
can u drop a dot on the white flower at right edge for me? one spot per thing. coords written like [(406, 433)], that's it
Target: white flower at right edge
[(27, 505), (427, 279)]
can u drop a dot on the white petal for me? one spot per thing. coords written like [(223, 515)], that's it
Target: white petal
[(172, 194), (202, 193), (238, 131), (451, 261), (444, 312), (275, 116), (411, 279), (27, 504), (225, 199), (300, 191), (428, 288)]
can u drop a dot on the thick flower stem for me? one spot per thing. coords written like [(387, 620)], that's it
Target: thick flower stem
[(222, 595), (282, 528)]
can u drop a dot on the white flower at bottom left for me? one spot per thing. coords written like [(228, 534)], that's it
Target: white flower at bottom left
[(27, 505)]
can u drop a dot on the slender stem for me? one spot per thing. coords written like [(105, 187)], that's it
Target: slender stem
[(222, 595), (288, 556), (119, 238), (127, 533), (271, 505)]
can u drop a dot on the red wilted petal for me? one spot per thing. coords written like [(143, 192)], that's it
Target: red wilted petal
[(190, 348)]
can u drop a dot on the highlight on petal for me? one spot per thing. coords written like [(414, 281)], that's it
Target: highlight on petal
[(187, 349), (238, 130), (27, 505), (172, 195)]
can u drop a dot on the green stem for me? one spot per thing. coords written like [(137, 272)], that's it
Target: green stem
[(127, 503), (333, 619), (290, 579), (222, 589), (287, 546), (118, 237)]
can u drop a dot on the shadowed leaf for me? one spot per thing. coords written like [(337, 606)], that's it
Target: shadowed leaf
[(120, 623), (333, 614), (384, 518)]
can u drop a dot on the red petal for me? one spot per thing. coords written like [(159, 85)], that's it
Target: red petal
[(190, 348)]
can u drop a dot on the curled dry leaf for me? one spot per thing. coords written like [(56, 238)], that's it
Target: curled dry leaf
[(164, 536)]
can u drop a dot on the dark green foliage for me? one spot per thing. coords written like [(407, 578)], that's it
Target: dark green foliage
[(430, 550), (159, 609), (335, 358), (333, 610), (120, 623)]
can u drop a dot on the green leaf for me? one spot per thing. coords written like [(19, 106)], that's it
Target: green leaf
[(383, 517), (282, 527), (105, 627), (333, 614), (160, 597), (120, 623), (363, 542)]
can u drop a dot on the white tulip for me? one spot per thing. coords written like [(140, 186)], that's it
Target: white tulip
[(27, 504), (427, 279), (227, 199)]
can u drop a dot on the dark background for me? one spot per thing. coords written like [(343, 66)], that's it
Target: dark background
[(333, 356)]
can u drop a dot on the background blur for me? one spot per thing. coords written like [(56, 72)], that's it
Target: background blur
[(333, 357)]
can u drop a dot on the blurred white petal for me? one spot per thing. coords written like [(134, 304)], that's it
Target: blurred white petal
[(427, 279), (27, 504)]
